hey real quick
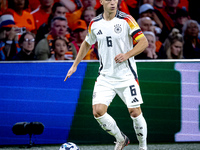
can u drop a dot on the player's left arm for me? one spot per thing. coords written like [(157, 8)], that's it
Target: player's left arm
[(142, 43), (137, 35)]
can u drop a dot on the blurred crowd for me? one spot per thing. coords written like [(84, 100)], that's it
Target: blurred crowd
[(54, 29)]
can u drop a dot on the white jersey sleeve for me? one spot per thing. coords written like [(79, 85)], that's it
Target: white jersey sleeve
[(91, 37), (134, 29)]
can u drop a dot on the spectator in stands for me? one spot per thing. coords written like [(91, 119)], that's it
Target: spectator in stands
[(58, 9), (3, 6), (171, 8), (33, 4), (184, 4), (147, 10), (173, 45), (27, 45), (42, 13), (141, 2), (43, 49), (182, 17), (191, 48), (158, 4), (133, 8), (21, 17), (61, 50), (145, 24), (76, 15), (150, 51), (79, 33), (88, 14), (166, 20), (89, 3), (8, 37), (72, 5), (123, 6)]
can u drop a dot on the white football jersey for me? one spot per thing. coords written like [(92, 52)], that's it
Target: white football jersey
[(114, 37)]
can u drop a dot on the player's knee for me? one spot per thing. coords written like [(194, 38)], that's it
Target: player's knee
[(99, 110), (135, 112), (98, 113)]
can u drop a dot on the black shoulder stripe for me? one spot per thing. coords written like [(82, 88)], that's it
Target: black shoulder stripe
[(121, 15), (97, 18)]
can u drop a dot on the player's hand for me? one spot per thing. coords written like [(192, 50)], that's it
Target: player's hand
[(120, 58), (70, 72)]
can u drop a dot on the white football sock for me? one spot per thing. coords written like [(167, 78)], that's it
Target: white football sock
[(140, 127), (110, 126)]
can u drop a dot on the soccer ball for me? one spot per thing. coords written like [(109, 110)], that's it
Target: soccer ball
[(69, 146)]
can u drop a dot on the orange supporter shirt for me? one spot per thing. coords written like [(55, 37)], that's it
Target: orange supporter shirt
[(131, 3), (72, 17), (34, 4), (91, 55), (158, 46), (25, 20), (123, 7), (40, 17)]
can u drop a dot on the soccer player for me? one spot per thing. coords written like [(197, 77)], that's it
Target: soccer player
[(115, 31)]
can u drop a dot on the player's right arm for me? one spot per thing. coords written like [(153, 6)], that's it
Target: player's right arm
[(81, 54)]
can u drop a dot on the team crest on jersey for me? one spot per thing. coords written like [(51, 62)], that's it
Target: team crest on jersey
[(117, 28)]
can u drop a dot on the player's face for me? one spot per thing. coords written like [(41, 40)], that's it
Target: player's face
[(109, 5)]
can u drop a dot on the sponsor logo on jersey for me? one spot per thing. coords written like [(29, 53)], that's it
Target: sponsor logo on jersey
[(135, 100), (99, 32), (117, 28)]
